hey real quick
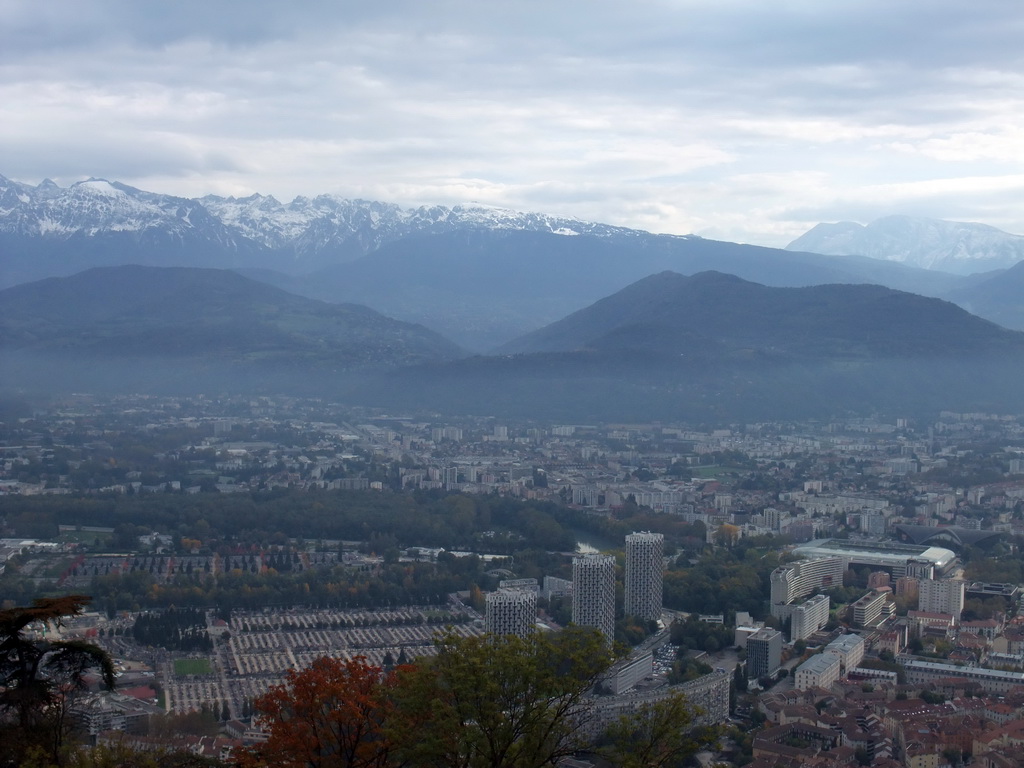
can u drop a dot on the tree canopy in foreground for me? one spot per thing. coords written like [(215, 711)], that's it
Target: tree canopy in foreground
[(39, 677), (480, 702)]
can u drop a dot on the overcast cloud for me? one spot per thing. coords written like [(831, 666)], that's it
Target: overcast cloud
[(734, 119)]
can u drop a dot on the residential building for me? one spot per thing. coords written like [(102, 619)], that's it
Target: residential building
[(624, 675), (593, 593), (993, 681), (645, 564), (878, 579), (511, 612), (868, 611), (893, 641), (808, 617), (555, 587), (908, 587), (793, 581), (745, 627), (941, 596), (849, 649), (922, 621), (819, 671), (764, 653), (109, 711), (709, 692)]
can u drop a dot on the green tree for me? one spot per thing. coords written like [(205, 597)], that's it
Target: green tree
[(658, 735), (498, 702), (39, 677), (119, 755)]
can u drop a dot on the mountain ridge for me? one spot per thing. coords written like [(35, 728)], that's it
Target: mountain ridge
[(183, 313), (714, 347), (304, 234), (958, 247), (733, 315)]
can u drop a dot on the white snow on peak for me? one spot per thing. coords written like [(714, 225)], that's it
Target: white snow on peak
[(322, 224), (100, 187), (951, 246)]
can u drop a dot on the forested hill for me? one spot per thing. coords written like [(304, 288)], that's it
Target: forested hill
[(108, 327), (673, 314)]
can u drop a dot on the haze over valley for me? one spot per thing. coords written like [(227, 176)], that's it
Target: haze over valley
[(574, 319)]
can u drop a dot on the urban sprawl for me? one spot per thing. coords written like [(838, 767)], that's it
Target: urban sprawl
[(830, 594)]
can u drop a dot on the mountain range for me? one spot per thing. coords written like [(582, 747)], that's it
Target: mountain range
[(713, 347), (666, 347), (69, 229), (480, 276)]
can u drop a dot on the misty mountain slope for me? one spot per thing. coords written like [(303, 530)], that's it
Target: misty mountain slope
[(182, 331), (588, 387), (671, 314), (1000, 296), (201, 314), (957, 247), (716, 347), (483, 288)]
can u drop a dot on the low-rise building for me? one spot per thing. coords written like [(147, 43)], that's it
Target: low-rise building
[(626, 674), (868, 610), (992, 681), (819, 671), (849, 649)]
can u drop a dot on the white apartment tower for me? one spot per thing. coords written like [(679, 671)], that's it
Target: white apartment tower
[(511, 612), (644, 567), (593, 593), (941, 596), (793, 581), (808, 617)]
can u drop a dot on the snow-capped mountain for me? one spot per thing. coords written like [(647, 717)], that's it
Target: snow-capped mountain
[(950, 246), (327, 222), (123, 224), (480, 275), (95, 206)]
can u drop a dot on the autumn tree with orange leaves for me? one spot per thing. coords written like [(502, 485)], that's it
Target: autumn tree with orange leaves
[(330, 715)]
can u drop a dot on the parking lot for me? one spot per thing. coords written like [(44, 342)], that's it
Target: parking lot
[(260, 648)]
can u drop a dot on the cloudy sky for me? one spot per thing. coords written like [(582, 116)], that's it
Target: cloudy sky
[(734, 119)]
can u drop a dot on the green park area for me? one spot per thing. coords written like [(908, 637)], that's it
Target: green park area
[(192, 667), (91, 537)]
